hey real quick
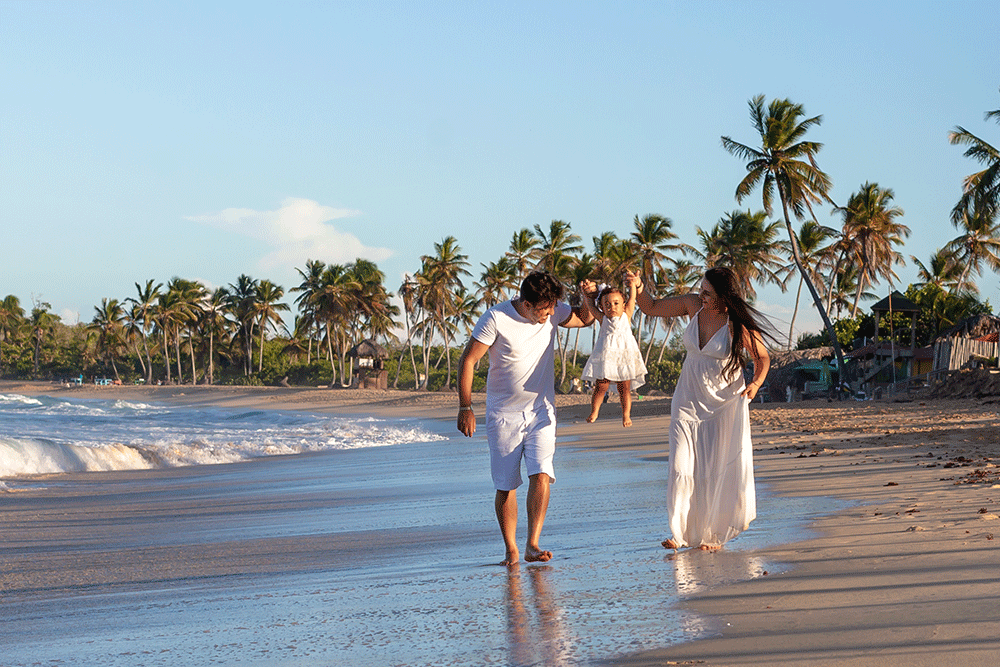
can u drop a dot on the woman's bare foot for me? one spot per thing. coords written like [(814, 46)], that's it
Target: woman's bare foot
[(512, 558), (670, 544), (536, 555), (626, 421), (710, 547), (593, 417)]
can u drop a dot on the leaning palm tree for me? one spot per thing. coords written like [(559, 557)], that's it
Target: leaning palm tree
[(242, 304), (786, 162), (978, 244), (215, 322), (818, 255), (981, 190), (871, 233)]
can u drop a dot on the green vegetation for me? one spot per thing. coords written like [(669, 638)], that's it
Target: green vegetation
[(182, 332)]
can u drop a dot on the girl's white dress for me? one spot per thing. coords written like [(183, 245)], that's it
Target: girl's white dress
[(616, 355), (710, 490)]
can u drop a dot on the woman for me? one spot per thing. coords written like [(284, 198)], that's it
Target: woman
[(710, 490)]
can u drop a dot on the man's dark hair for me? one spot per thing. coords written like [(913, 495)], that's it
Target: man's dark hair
[(541, 287)]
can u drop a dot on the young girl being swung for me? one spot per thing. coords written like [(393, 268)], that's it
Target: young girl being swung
[(616, 357)]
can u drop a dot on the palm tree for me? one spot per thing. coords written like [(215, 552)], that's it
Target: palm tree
[(187, 304), (555, 247), (981, 190), (942, 271), (312, 282), (522, 249), (267, 311), (11, 321), (215, 322), (978, 244), (497, 281), (41, 324), (870, 233), (818, 255), (334, 305), (108, 322), (145, 306), (746, 243), (787, 162), (440, 278), (408, 291), (242, 304)]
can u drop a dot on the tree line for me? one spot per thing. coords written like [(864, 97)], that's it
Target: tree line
[(182, 331)]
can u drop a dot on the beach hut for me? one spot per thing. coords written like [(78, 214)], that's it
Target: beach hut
[(370, 358)]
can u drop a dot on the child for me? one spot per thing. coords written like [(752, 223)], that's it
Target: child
[(616, 355)]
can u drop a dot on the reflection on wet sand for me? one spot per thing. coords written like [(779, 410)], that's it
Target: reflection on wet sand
[(696, 570), (536, 630)]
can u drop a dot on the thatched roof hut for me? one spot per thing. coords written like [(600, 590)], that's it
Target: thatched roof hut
[(368, 349)]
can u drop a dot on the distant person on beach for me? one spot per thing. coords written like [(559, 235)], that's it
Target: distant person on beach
[(616, 356), (520, 400), (710, 488)]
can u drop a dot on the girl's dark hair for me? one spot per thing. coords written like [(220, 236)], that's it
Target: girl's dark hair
[(540, 287), (611, 289), (742, 316)]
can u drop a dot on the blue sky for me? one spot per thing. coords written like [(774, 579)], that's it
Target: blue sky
[(208, 139)]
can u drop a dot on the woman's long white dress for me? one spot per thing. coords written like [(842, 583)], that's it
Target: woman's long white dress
[(616, 354), (710, 491)]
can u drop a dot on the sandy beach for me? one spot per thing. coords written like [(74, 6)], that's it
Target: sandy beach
[(908, 575)]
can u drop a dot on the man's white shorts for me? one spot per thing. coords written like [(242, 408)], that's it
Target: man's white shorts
[(512, 435)]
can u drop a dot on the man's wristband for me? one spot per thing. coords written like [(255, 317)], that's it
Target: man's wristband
[(462, 408)]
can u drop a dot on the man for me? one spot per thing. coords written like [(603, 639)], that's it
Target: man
[(520, 399)]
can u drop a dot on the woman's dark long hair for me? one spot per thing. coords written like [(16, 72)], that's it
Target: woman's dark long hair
[(742, 316)]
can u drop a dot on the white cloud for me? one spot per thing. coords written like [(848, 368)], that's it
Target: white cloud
[(297, 231), (69, 316)]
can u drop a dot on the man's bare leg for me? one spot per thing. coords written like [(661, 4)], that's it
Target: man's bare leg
[(600, 388), (625, 394), (538, 505), (506, 508)]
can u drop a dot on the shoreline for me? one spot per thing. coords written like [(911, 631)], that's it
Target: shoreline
[(906, 574)]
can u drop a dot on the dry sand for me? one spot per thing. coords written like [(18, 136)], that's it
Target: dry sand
[(909, 576)]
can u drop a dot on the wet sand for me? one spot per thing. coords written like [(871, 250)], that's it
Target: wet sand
[(909, 575)]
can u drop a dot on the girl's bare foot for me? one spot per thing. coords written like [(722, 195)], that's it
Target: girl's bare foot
[(535, 555), (593, 417), (512, 557), (626, 421), (670, 544)]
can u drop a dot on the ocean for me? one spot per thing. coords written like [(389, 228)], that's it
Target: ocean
[(259, 537)]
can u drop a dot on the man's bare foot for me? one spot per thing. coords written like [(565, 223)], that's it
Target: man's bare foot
[(534, 555), (592, 418), (710, 547), (626, 421), (512, 558), (670, 544)]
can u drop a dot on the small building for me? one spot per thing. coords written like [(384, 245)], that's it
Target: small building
[(371, 373)]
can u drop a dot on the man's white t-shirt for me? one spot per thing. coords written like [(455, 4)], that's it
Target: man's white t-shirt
[(522, 358)]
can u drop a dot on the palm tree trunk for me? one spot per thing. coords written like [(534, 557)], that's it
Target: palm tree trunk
[(795, 312), (260, 364), (166, 353), (211, 356), (831, 332), (194, 368), (177, 355)]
